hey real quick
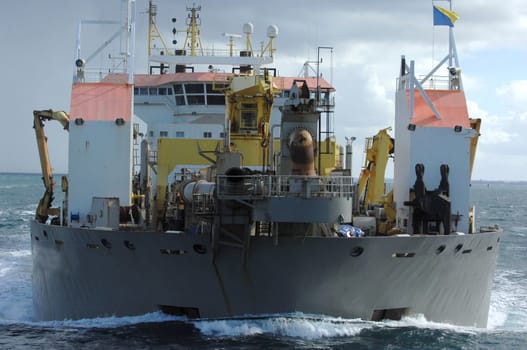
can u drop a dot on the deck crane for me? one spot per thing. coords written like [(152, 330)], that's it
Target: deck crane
[(44, 209), (371, 180)]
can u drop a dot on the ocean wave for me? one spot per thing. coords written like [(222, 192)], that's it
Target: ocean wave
[(295, 325), (312, 327), (508, 304), (420, 321), (99, 322), (16, 253)]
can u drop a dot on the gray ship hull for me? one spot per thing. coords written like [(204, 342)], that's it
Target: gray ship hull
[(82, 273)]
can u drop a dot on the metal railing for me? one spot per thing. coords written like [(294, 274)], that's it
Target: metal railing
[(203, 204), (266, 186), (435, 82)]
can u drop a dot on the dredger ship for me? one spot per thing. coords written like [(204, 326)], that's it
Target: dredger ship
[(272, 223)]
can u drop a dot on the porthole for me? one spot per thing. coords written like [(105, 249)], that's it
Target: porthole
[(440, 249), (458, 247), (356, 251), (45, 233), (106, 243), (129, 245), (199, 248)]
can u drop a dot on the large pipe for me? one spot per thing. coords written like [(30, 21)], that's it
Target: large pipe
[(302, 151), (199, 187)]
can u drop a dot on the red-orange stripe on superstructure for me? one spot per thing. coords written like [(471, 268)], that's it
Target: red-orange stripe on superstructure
[(101, 101), (450, 104)]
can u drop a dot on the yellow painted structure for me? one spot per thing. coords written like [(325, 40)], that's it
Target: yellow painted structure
[(330, 156), (44, 206), (476, 125), (371, 180), (249, 104)]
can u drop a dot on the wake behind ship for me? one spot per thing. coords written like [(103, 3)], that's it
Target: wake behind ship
[(236, 200)]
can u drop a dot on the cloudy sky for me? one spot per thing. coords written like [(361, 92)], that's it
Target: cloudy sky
[(368, 37)]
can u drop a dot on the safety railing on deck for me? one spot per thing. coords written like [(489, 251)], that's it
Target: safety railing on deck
[(265, 186), (435, 82)]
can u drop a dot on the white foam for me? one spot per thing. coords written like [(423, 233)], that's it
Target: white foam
[(508, 307), (16, 253), (4, 271), (295, 325), (101, 322), (420, 321), (113, 321)]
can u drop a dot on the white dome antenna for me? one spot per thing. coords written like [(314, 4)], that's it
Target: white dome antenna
[(248, 28), (272, 31)]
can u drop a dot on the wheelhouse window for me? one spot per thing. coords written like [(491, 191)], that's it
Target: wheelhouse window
[(207, 135), (216, 100), (163, 134), (195, 94), (180, 100), (180, 134), (215, 94), (196, 99), (194, 88), (178, 89)]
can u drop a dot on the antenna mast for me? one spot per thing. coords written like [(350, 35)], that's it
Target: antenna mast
[(193, 32), (153, 31)]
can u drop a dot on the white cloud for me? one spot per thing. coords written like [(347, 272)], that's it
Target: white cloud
[(514, 95), (501, 146), (494, 129)]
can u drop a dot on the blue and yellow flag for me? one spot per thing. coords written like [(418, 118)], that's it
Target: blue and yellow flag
[(444, 17)]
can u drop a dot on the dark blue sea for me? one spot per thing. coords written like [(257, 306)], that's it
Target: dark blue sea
[(501, 203)]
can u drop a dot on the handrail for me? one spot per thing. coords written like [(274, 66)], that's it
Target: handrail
[(254, 187)]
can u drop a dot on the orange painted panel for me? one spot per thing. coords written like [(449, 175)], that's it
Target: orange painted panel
[(451, 105), (101, 101)]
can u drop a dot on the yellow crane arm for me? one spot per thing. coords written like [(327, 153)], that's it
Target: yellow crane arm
[(476, 125), (371, 180), (44, 206)]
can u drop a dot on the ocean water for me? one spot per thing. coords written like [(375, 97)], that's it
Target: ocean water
[(501, 203)]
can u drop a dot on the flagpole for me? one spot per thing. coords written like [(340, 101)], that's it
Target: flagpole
[(450, 36), (442, 17)]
